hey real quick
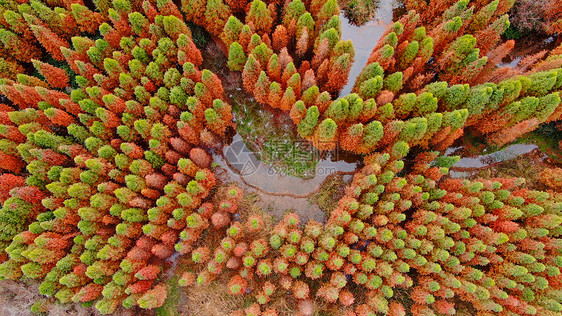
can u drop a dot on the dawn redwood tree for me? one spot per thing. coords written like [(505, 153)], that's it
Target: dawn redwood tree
[(553, 17), (236, 57), (260, 16), (340, 67), (56, 77), (261, 89), (280, 38), (251, 73), (216, 16), (231, 31)]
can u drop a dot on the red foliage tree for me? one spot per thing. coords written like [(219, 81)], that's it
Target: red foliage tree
[(50, 41)]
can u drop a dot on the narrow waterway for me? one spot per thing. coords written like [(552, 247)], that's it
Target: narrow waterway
[(365, 37)]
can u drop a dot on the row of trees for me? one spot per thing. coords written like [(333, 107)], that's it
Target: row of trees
[(514, 101), (363, 127), (280, 61), (103, 183), (27, 26), (499, 112)]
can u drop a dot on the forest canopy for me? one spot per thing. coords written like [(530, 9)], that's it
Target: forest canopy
[(111, 121)]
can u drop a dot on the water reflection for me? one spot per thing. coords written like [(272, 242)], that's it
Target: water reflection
[(272, 137), (243, 162), (265, 154), (365, 37), (466, 166), (279, 192)]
